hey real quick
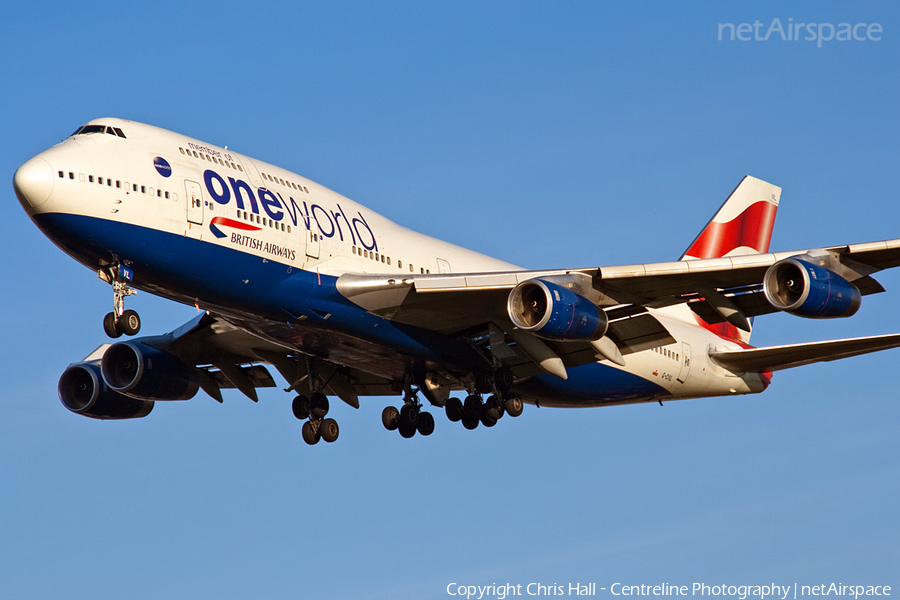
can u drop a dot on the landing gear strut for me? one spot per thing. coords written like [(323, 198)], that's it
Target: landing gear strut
[(120, 321), (409, 419), (317, 427)]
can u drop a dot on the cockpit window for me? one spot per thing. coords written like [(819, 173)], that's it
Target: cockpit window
[(91, 129), (99, 129)]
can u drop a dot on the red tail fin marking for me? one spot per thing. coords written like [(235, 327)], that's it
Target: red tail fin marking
[(752, 228)]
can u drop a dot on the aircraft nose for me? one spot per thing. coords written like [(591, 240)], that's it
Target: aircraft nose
[(33, 182)]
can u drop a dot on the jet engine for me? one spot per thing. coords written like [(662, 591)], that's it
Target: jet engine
[(141, 371), (807, 290), (82, 390), (555, 312)]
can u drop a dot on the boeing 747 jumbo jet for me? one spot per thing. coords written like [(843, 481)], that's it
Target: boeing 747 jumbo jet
[(344, 303)]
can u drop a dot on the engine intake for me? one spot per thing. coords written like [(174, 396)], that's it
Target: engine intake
[(807, 290), (554, 312), (82, 391), (143, 372)]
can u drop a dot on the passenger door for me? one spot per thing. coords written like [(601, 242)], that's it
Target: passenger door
[(194, 199), (685, 371)]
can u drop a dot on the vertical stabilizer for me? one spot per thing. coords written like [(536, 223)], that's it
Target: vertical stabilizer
[(742, 225)]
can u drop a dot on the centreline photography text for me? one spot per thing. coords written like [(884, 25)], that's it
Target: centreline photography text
[(738, 591)]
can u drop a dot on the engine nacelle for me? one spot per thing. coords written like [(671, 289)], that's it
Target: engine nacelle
[(554, 312), (82, 390), (807, 290), (143, 372)]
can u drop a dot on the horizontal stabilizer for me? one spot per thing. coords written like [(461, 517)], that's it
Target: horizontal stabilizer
[(777, 358)]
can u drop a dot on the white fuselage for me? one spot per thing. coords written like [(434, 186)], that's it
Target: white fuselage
[(175, 185)]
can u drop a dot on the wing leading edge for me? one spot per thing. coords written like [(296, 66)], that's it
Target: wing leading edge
[(450, 302)]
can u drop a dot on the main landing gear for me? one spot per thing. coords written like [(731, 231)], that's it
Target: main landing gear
[(317, 427), (409, 419), (120, 320), (474, 410)]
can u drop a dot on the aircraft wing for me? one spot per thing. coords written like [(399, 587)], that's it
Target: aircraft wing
[(452, 302), (225, 355), (777, 358)]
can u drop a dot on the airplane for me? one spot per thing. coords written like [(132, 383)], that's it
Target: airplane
[(344, 303)]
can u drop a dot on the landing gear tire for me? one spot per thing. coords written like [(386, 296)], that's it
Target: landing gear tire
[(454, 409), (487, 420), (130, 322), (409, 414), (425, 424), (310, 434), (469, 423), (473, 407), (390, 418), (493, 408), (503, 377), (514, 406), (318, 405), (407, 431), (300, 407), (110, 326), (329, 430)]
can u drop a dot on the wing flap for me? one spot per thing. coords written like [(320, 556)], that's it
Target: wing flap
[(777, 358)]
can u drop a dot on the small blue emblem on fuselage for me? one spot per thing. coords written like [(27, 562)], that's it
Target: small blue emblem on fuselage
[(162, 166)]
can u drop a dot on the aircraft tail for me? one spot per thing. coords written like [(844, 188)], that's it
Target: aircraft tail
[(742, 225)]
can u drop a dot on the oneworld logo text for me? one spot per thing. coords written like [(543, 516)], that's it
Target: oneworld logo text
[(329, 222)]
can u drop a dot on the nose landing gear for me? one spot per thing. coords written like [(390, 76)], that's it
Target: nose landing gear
[(120, 321)]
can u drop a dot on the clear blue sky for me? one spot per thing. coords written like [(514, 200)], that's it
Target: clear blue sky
[(548, 134)]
